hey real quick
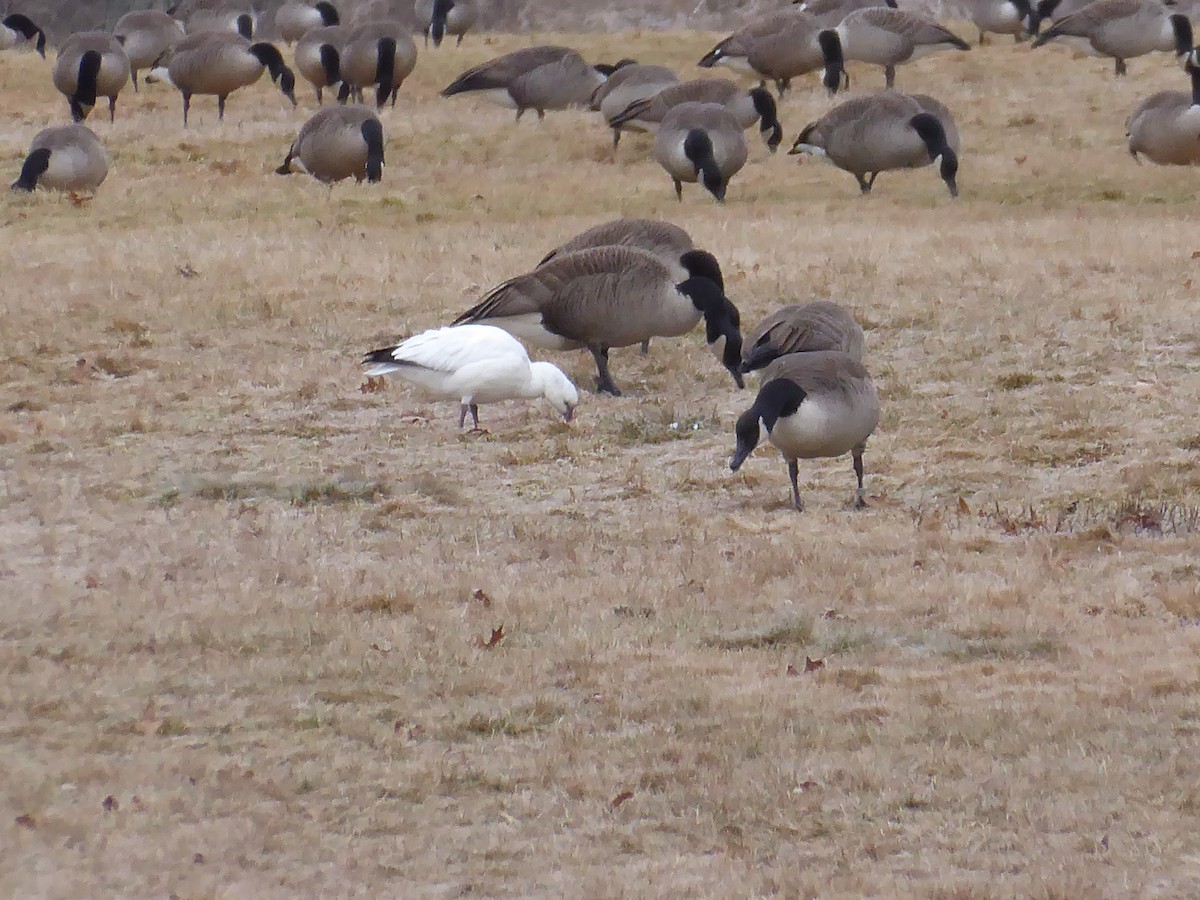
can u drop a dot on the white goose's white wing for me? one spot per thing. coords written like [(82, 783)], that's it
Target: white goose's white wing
[(448, 350)]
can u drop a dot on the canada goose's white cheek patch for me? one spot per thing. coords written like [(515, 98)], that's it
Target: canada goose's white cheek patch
[(810, 150), (157, 75)]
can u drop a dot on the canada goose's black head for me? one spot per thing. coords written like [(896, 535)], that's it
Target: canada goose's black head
[(1025, 11), (768, 117), (1191, 65), (835, 63), (698, 148), (36, 164), (606, 69), (777, 399), (722, 321), (29, 31), (269, 56), (1182, 28), (437, 22), (84, 98), (245, 25), (329, 13), (931, 132), (891, 4), (704, 264)]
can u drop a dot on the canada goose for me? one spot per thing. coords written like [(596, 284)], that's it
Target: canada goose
[(336, 143), (319, 57), (882, 36), (1015, 17), (296, 18), (886, 131), (613, 297), (1165, 127), (16, 28), (220, 62), (818, 404), (1052, 11), (538, 78), (1122, 29), (829, 13), (747, 107), (145, 35), (474, 364), (626, 86), (779, 47), (380, 54), (91, 64), (229, 16), (439, 18), (64, 158), (700, 142), (802, 328)]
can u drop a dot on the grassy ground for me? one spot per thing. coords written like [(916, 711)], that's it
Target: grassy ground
[(245, 608)]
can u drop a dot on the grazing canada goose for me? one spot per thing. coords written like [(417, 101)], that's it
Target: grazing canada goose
[(700, 142), (220, 62), (1122, 29), (779, 47), (439, 18), (336, 143), (1015, 17), (296, 18), (64, 158), (626, 86), (829, 13), (802, 328), (145, 35), (881, 36), (228, 16), (1165, 127), (613, 297), (818, 404), (747, 107), (319, 57), (17, 28), (379, 54), (538, 78), (886, 131), (474, 364), (91, 64)]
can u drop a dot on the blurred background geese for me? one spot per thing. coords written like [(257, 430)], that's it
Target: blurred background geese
[(883, 132), (830, 13), (614, 297), (336, 143), (1122, 29), (16, 28), (1015, 17), (747, 107), (802, 328), (296, 18), (438, 18), (64, 158), (539, 78), (91, 64), (474, 364), (319, 57), (700, 142), (818, 404), (234, 16), (220, 62), (379, 54), (625, 87), (145, 35), (1165, 127), (778, 47), (882, 36)]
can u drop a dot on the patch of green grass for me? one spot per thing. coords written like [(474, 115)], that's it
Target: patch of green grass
[(789, 632)]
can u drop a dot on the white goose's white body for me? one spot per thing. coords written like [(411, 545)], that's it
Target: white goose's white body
[(474, 364)]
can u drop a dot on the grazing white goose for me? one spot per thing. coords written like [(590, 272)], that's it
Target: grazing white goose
[(474, 364), (818, 404)]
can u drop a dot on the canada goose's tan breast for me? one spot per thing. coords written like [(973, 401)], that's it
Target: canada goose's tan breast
[(829, 423)]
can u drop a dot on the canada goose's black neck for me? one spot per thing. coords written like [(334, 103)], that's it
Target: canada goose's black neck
[(703, 264), (329, 13), (776, 399), (768, 117), (372, 133), (245, 25), (23, 24), (1040, 13), (1183, 34), (931, 132), (437, 24), (835, 62), (385, 69), (331, 63), (1192, 67), (84, 97), (36, 164), (721, 319), (269, 56), (698, 148)]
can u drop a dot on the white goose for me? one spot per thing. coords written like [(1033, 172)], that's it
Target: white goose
[(474, 364)]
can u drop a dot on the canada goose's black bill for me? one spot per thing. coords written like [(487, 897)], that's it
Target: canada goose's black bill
[(34, 168), (930, 130)]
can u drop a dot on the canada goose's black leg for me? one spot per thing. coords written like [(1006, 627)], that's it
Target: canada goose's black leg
[(221, 107), (678, 190), (889, 75), (871, 181), (645, 346), (458, 43), (863, 184), (794, 475), (112, 109), (859, 501), (133, 73), (616, 137), (187, 104), (1120, 69), (604, 384)]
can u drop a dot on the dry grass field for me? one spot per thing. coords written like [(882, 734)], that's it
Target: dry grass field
[(245, 607)]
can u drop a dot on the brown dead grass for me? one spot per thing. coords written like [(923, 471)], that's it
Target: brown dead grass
[(238, 595)]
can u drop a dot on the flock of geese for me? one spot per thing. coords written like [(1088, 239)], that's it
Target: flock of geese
[(625, 282)]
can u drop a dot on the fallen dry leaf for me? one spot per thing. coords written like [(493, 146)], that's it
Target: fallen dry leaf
[(792, 670), (1196, 254), (493, 641), (90, 581), (187, 271), (110, 804), (811, 665), (963, 508), (482, 597), (373, 385), (82, 371), (619, 799), (198, 858), (1020, 160), (26, 822), (805, 786)]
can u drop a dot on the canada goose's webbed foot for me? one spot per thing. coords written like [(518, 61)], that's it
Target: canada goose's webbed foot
[(794, 477), (859, 495), (1119, 70)]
